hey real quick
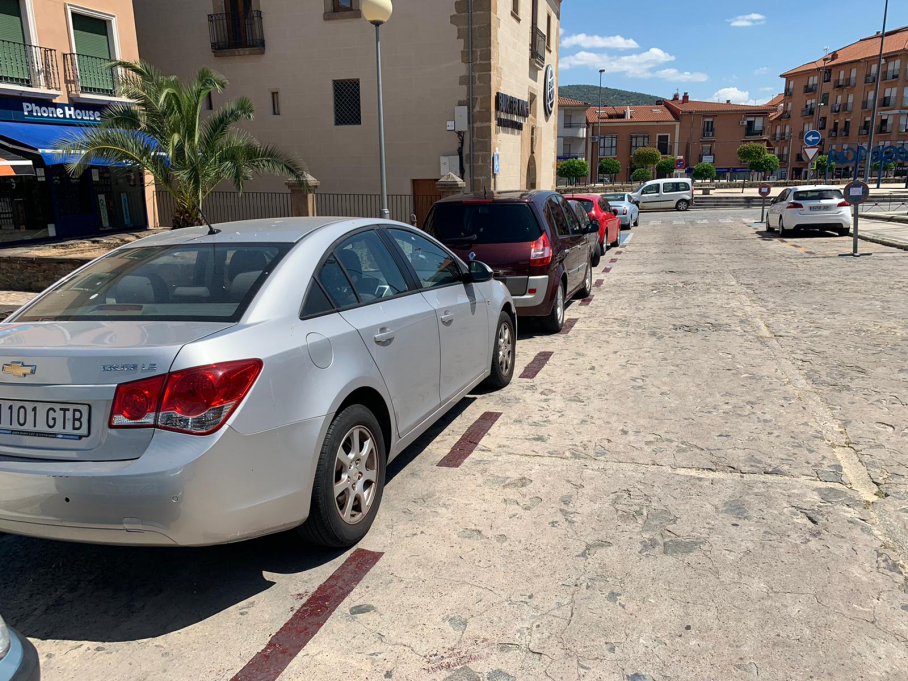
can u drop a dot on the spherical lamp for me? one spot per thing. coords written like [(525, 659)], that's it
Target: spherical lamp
[(376, 12)]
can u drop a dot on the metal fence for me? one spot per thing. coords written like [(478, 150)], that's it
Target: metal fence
[(402, 206), (885, 203)]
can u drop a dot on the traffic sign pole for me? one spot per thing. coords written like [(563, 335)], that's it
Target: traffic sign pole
[(765, 190), (856, 193)]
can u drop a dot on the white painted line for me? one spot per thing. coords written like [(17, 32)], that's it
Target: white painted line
[(655, 222), (725, 221), (628, 239), (702, 222), (677, 222)]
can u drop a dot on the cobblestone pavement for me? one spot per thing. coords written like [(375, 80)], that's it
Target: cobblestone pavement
[(706, 479)]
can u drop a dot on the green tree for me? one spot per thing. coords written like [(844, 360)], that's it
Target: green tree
[(665, 167), (162, 131), (647, 157), (573, 168), (887, 168), (704, 171), (766, 164), (750, 152), (609, 166), (642, 175), (822, 161)]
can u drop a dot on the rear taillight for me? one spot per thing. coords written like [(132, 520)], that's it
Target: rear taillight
[(842, 204), (795, 205), (197, 401), (625, 212), (540, 251)]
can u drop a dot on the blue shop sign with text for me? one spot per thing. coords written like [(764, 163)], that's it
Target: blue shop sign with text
[(38, 111)]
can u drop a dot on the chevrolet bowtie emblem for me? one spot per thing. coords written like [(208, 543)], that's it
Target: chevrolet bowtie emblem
[(19, 370)]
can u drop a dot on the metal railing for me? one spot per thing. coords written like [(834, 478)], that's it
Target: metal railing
[(87, 75), (809, 111), (786, 114), (537, 47), (810, 88), (839, 84), (28, 65), (709, 132), (845, 133), (833, 133), (848, 107), (870, 78), (228, 206), (887, 101), (401, 206), (864, 131), (892, 75), (866, 104), (235, 31), (789, 92), (753, 132), (836, 108)]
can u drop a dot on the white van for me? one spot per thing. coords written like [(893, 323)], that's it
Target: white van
[(669, 192)]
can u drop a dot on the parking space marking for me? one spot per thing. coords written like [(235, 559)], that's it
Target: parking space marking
[(306, 622), (539, 361), (607, 270), (618, 252), (586, 301), (702, 222), (599, 283), (627, 239), (613, 260), (568, 325), (470, 439), (677, 222)]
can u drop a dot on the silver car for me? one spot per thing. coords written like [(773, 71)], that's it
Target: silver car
[(624, 206), (195, 388)]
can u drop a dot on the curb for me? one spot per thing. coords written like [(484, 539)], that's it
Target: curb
[(883, 241), (903, 219)]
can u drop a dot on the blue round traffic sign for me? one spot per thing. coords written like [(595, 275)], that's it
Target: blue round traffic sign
[(812, 138)]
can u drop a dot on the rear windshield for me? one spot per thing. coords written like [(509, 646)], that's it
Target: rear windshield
[(483, 223), (613, 197), (162, 283), (587, 205), (818, 195)]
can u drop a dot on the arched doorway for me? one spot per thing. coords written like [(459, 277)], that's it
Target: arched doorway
[(531, 172)]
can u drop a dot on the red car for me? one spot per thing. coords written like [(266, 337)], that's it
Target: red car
[(609, 224)]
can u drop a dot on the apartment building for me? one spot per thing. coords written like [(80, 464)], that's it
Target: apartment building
[(55, 74), (572, 139), (711, 132), (617, 132), (309, 68), (835, 94)]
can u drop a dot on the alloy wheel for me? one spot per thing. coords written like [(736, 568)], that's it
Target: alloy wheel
[(505, 349), (355, 475), (559, 304)]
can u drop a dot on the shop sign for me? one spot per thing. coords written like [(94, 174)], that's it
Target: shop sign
[(889, 153), (550, 91), (36, 111), (510, 110)]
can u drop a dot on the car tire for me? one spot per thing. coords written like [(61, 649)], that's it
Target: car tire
[(617, 241), (782, 231), (597, 254), (682, 205), (504, 352), (326, 524), (602, 248), (844, 231), (636, 221), (769, 227), (587, 282), (553, 322)]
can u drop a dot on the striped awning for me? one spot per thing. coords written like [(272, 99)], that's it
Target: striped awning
[(11, 164)]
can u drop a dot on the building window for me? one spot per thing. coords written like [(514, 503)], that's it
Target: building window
[(608, 146), (548, 32), (343, 5), (515, 8), (662, 144), (709, 126), (346, 103), (276, 103), (93, 41), (638, 142)]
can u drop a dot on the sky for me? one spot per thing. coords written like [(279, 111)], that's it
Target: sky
[(713, 49)]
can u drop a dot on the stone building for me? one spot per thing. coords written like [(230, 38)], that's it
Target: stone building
[(309, 68)]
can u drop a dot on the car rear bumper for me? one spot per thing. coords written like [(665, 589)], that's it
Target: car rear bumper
[(184, 490), (821, 220), (530, 304), (21, 662)]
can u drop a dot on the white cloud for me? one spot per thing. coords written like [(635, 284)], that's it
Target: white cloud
[(682, 76), (760, 71), (752, 19), (734, 94), (599, 42), (640, 65), (767, 89)]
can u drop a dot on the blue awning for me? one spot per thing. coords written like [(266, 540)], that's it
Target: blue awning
[(43, 140)]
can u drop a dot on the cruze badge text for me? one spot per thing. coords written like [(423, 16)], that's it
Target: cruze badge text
[(130, 367)]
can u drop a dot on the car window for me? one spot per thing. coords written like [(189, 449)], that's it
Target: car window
[(581, 212), (573, 223), (199, 282), (370, 267), (783, 196), (615, 197), (336, 283), (480, 222), (587, 204), (818, 195), (651, 189), (316, 301), (605, 205), (434, 266), (672, 187), (556, 219)]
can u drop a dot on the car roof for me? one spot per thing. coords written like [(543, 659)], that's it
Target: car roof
[(812, 187), (269, 230), (508, 196)]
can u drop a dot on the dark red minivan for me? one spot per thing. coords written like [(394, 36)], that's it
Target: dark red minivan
[(532, 241)]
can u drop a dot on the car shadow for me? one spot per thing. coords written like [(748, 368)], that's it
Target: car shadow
[(806, 234)]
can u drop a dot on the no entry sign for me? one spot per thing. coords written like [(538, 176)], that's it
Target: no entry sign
[(765, 190)]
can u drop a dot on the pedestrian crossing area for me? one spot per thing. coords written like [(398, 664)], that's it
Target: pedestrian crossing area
[(692, 220)]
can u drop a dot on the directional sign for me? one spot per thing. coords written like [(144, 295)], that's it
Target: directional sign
[(812, 138), (856, 192), (810, 153), (680, 164), (765, 190)]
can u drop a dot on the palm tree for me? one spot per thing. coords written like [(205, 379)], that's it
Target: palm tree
[(161, 130)]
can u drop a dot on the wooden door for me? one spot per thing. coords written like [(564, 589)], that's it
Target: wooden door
[(425, 194)]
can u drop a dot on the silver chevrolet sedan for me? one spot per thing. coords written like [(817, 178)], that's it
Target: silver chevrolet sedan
[(197, 388)]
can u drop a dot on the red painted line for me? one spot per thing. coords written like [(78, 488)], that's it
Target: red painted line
[(613, 260), (568, 325), (599, 283), (618, 252), (469, 440), (586, 301), (606, 270), (534, 367), (306, 622)]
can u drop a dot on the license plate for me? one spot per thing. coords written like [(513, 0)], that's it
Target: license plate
[(44, 419), (818, 208)]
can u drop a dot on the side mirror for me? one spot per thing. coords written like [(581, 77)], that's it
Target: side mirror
[(615, 211), (479, 272), (592, 228)]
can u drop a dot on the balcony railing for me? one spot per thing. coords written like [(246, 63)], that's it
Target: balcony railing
[(29, 66), (892, 75), (887, 101), (836, 108), (833, 133), (885, 129), (87, 75), (848, 107), (753, 132), (864, 131), (709, 132), (235, 31), (809, 111), (845, 133), (789, 91), (870, 78), (810, 88), (786, 114), (839, 84), (537, 48)]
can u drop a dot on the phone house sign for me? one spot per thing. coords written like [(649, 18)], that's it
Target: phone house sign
[(60, 113)]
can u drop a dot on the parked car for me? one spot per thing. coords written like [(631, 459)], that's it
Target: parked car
[(590, 227), (532, 241), (624, 207), (601, 211), (817, 207), (194, 388), (18, 658), (669, 192)]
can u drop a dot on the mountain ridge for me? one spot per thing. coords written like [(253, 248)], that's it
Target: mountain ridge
[(610, 96)]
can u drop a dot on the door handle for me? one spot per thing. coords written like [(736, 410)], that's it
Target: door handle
[(384, 336), (447, 317)]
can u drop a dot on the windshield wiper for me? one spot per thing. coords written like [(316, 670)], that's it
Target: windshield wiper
[(466, 239)]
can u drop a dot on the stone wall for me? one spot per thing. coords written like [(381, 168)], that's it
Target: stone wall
[(24, 273)]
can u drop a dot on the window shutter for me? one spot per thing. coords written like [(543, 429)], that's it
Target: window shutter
[(11, 21), (91, 36)]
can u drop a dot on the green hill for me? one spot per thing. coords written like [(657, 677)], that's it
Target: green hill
[(610, 96)]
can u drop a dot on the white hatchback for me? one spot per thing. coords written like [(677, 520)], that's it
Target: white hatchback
[(810, 207)]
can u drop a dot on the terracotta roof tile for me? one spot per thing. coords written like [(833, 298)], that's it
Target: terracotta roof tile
[(564, 101), (694, 106), (777, 100), (643, 113), (896, 41)]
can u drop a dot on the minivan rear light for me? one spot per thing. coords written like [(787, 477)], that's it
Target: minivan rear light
[(540, 251), (794, 204), (196, 401)]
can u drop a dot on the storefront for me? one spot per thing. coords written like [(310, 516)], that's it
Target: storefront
[(39, 199)]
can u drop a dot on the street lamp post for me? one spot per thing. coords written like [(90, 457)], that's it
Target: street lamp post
[(598, 127), (377, 12), (876, 99)]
